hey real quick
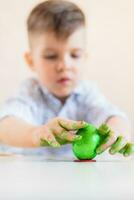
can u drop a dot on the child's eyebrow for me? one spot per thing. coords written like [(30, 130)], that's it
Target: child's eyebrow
[(77, 49), (49, 49)]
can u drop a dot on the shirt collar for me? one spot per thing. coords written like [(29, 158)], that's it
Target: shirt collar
[(77, 91)]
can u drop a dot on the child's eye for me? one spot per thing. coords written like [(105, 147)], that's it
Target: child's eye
[(74, 55), (50, 57)]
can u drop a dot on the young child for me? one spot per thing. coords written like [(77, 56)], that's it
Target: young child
[(55, 104)]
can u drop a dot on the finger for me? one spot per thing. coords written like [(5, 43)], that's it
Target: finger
[(43, 142), (71, 125), (50, 139), (104, 129), (107, 142), (129, 149), (118, 145), (65, 135), (122, 151)]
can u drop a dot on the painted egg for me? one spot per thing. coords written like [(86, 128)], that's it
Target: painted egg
[(86, 147)]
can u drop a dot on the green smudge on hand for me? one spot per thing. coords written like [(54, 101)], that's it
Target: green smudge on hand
[(104, 129), (43, 142), (74, 126)]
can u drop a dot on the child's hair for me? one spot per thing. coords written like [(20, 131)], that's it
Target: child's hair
[(58, 16)]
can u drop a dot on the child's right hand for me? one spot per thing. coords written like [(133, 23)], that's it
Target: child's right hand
[(57, 131)]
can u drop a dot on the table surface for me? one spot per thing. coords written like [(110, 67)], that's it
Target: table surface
[(38, 178)]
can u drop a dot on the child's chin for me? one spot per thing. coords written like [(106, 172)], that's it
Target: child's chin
[(63, 94)]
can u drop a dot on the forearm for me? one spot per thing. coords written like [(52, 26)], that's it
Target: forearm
[(16, 132), (120, 126)]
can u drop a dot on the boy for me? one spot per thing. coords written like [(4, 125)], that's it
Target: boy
[(52, 105)]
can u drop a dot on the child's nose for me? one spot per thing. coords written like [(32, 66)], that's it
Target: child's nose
[(64, 64)]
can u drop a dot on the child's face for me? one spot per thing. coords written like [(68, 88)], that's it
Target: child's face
[(57, 62)]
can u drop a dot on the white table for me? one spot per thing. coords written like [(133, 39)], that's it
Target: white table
[(31, 178)]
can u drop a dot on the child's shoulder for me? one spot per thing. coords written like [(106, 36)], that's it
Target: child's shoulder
[(29, 89), (29, 83)]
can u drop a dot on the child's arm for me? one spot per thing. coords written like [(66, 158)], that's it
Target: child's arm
[(17, 132), (118, 138)]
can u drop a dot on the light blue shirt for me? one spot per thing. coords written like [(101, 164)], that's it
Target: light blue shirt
[(35, 104)]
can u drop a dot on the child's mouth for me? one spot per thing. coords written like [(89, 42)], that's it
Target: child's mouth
[(64, 81)]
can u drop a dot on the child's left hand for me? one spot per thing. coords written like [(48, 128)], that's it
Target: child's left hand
[(117, 144)]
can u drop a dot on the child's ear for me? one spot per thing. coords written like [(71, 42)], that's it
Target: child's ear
[(29, 60)]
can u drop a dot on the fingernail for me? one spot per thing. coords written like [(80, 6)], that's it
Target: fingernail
[(99, 151), (53, 144), (77, 137), (112, 151), (56, 145), (121, 151)]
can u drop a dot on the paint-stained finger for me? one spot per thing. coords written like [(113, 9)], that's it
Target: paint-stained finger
[(122, 151), (50, 139), (129, 150), (107, 142), (118, 145), (72, 125), (66, 135), (104, 129)]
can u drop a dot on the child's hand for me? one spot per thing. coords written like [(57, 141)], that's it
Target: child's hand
[(57, 131), (116, 144)]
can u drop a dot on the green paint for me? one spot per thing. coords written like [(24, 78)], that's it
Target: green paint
[(105, 139), (44, 143), (61, 141), (77, 138), (75, 126), (86, 147), (104, 129), (122, 151), (117, 145), (63, 135), (129, 150)]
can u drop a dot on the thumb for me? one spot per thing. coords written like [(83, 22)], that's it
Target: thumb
[(71, 124)]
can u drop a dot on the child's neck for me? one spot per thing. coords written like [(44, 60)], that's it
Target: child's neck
[(62, 99)]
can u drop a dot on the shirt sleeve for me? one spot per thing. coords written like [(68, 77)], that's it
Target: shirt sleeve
[(19, 108), (98, 108), (26, 103)]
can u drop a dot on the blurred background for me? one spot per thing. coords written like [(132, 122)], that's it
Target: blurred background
[(110, 47)]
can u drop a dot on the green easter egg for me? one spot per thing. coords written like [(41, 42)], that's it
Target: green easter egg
[(86, 147)]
